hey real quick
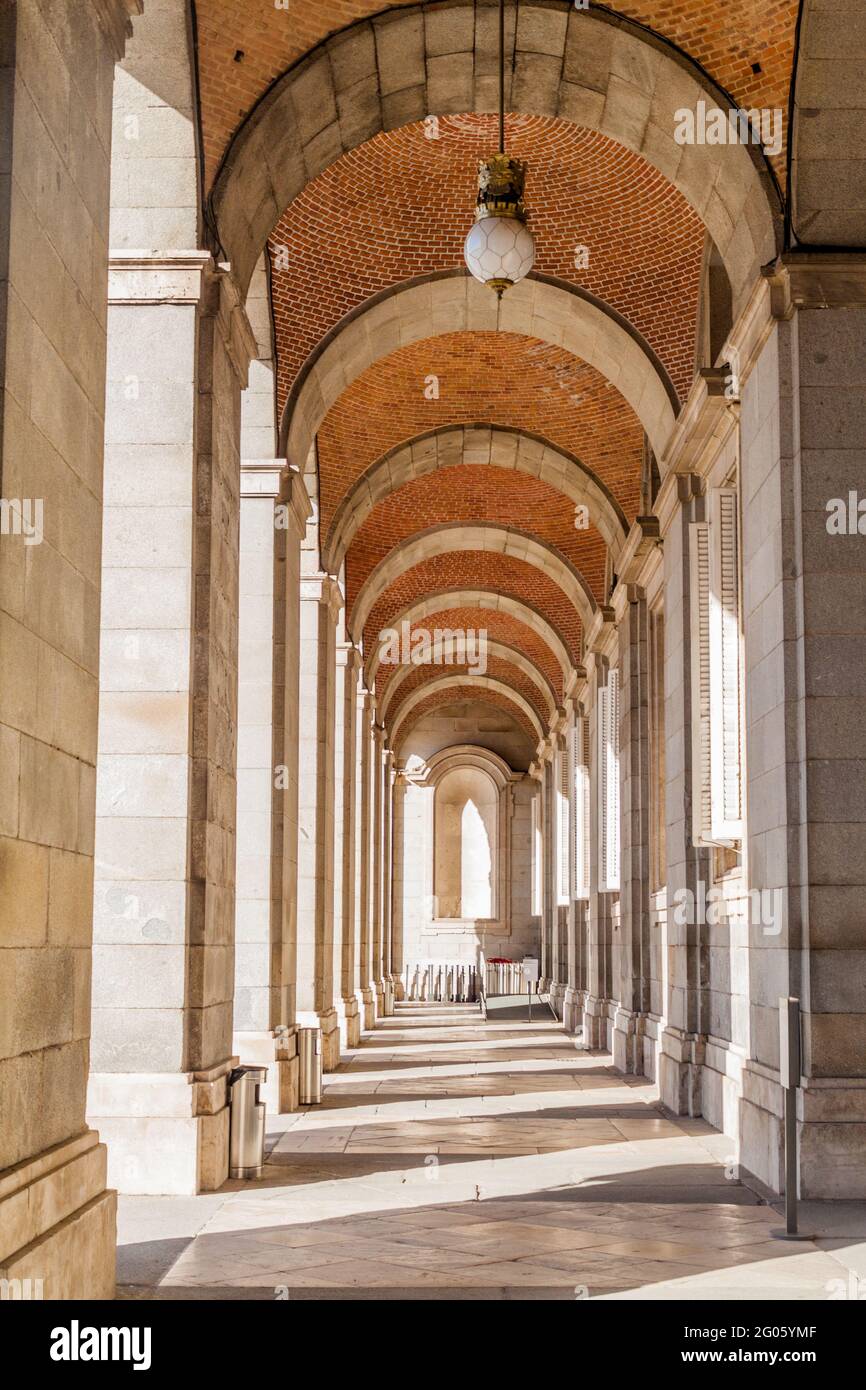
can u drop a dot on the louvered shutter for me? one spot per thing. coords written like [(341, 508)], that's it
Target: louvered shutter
[(699, 565), (726, 823), (562, 800), (580, 814), (608, 764)]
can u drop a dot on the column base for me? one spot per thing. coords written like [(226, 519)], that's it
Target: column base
[(557, 999), (628, 1042), (367, 1002), (167, 1134), (596, 1024), (681, 1064), (572, 1010), (328, 1021), (349, 1020), (279, 1053), (58, 1227), (379, 993)]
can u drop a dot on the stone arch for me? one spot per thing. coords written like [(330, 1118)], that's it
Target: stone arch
[(498, 446), (499, 650), (539, 308), (457, 536), (454, 682), (482, 598), (828, 114), (595, 69), (466, 755)]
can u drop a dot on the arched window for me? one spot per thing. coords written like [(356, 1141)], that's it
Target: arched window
[(466, 845)]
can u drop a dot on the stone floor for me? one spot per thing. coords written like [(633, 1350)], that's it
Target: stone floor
[(453, 1158)]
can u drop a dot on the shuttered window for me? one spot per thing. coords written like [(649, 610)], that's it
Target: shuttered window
[(563, 796), (608, 785), (580, 808), (717, 813)]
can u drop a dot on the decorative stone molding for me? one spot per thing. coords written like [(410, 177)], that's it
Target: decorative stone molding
[(157, 277), (261, 477), (600, 639), (322, 588), (707, 419), (293, 496)]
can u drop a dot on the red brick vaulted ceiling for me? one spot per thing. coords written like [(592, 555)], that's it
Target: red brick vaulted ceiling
[(489, 378), (477, 569), (496, 669), (476, 493), (454, 695), (499, 627), (401, 205), (727, 37)]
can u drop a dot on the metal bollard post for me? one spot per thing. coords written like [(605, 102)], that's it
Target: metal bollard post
[(310, 1066), (790, 1070), (246, 1122)]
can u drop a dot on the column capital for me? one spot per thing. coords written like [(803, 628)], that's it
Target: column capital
[(231, 313), (294, 507), (601, 633), (261, 477), (348, 656), (324, 589), (157, 277)]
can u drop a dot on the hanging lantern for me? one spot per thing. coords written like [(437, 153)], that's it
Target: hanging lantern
[(499, 249)]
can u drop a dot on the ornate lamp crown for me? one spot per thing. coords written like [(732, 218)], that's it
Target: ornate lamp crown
[(501, 183)]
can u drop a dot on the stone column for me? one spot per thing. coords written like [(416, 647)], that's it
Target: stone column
[(388, 870), (599, 1005), (365, 763), (803, 437), (293, 513), (274, 511), (321, 601), (683, 1043), (57, 1221), (548, 852), (378, 835), (346, 941), (632, 987), (397, 899), (179, 345)]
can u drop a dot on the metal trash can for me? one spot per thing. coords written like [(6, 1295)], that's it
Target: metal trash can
[(310, 1056), (247, 1122)]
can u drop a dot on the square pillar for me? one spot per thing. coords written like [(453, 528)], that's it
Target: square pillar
[(689, 866), (179, 346), (378, 837), (321, 602), (274, 512), (365, 765), (57, 1219), (346, 939), (632, 987)]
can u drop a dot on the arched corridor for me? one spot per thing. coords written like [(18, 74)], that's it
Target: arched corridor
[(454, 1157), (433, 473)]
